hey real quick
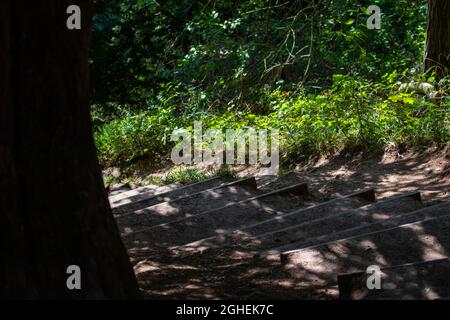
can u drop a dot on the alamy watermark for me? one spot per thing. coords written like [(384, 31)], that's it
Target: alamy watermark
[(374, 21), (74, 20), (74, 279), (373, 281), (229, 146)]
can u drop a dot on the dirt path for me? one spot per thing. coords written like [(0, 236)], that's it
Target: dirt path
[(391, 174), (231, 273)]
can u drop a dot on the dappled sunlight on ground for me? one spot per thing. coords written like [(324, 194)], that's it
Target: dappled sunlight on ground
[(197, 256)]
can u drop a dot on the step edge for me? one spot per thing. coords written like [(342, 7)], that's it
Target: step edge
[(332, 201), (344, 279), (290, 252), (251, 181), (412, 195), (299, 187), (285, 248), (166, 192)]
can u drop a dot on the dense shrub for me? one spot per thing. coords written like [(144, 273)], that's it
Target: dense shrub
[(353, 112), (231, 55)]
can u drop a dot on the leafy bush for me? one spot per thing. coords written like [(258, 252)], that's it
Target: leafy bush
[(353, 112), (182, 175), (226, 55), (311, 69)]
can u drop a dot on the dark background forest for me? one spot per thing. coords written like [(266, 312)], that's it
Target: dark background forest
[(310, 68)]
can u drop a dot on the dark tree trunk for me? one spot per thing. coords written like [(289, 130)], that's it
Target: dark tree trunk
[(437, 48), (54, 211)]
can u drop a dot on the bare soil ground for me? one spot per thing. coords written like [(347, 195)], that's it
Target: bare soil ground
[(390, 174), (230, 273)]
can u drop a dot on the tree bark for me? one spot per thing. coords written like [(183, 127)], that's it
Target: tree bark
[(437, 48), (54, 210)]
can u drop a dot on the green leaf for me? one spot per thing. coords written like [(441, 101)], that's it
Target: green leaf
[(350, 22)]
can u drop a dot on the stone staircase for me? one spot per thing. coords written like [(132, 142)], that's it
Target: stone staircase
[(283, 241)]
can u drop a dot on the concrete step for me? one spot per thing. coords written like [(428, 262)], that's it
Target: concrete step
[(145, 201), (116, 189), (425, 239), (186, 207), (428, 280), (118, 198), (248, 235), (394, 219), (333, 227), (223, 219)]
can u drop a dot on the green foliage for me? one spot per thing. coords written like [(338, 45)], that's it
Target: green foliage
[(230, 55), (352, 113), (135, 136), (310, 68), (358, 113), (183, 175)]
